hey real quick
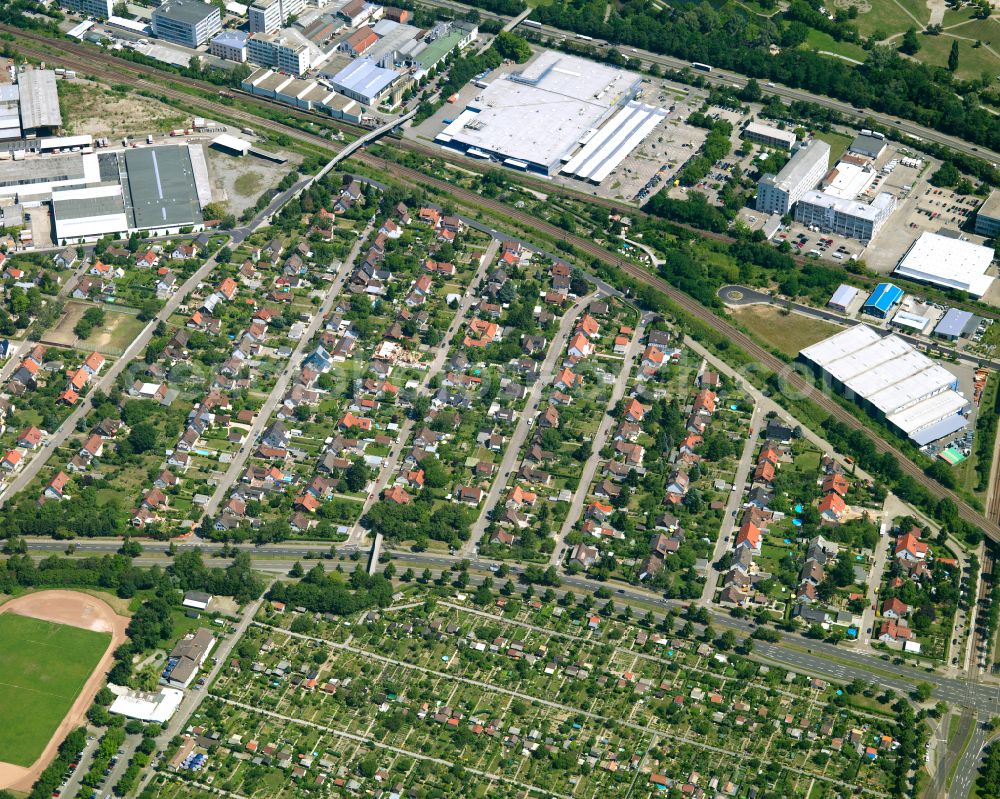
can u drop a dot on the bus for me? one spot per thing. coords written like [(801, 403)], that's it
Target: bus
[(583, 38), (532, 23), (701, 67)]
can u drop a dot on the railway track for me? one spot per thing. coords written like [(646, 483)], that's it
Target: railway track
[(94, 63)]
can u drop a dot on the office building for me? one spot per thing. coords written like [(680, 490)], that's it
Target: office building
[(769, 136), (951, 263), (893, 380), (187, 22), (286, 52), (230, 45), (776, 194), (850, 218), (268, 16), (988, 216), (101, 9)]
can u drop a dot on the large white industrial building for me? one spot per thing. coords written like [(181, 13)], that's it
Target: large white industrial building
[(560, 113), (846, 217), (776, 194), (905, 387), (159, 189), (948, 262)]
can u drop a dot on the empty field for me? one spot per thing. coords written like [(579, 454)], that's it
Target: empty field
[(43, 667), (119, 330), (788, 333)]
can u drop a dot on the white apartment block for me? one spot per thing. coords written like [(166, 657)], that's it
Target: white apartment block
[(269, 16), (282, 52), (776, 194), (850, 218)]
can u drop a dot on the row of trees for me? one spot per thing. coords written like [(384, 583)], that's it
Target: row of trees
[(735, 38), (320, 592)]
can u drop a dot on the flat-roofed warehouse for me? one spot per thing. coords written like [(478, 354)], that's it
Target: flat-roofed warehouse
[(905, 387), (537, 118), (36, 177), (89, 212), (10, 112), (162, 188), (39, 100), (948, 262)]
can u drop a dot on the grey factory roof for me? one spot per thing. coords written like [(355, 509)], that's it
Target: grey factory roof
[(39, 99), (162, 186), (954, 323), (364, 77)]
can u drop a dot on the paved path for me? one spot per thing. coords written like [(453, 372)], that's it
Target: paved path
[(193, 699), (368, 741), (389, 467), (733, 504), (263, 416), (510, 456), (869, 615), (600, 440)]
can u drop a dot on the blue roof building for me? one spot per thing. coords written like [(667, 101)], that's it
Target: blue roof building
[(364, 80), (882, 300)]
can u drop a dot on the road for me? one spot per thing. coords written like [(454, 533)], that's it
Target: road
[(193, 699), (969, 763), (513, 452), (390, 465), (104, 383), (733, 504), (875, 576), (600, 439), (736, 295), (274, 399), (721, 77)]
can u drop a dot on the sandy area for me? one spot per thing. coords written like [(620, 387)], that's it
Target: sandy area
[(75, 610)]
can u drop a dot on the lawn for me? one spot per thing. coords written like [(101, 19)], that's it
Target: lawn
[(972, 61), (43, 667), (890, 16), (789, 333), (824, 43), (838, 144)]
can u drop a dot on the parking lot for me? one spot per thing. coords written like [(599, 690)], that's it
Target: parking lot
[(653, 164)]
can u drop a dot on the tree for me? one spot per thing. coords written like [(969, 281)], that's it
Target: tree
[(296, 570), (923, 691), (911, 43), (142, 438), (130, 548), (510, 45), (355, 477), (953, 56)]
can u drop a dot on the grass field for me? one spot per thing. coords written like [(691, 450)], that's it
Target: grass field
[(972, 61), (786, 333), (888, 16), (838, 143), (825, 43), (43, 667), (119, 330)]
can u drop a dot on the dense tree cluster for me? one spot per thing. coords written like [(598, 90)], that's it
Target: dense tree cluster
[(419, 521), (333, 593), (735, 38)]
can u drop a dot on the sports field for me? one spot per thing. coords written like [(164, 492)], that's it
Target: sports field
[(43, 667)]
